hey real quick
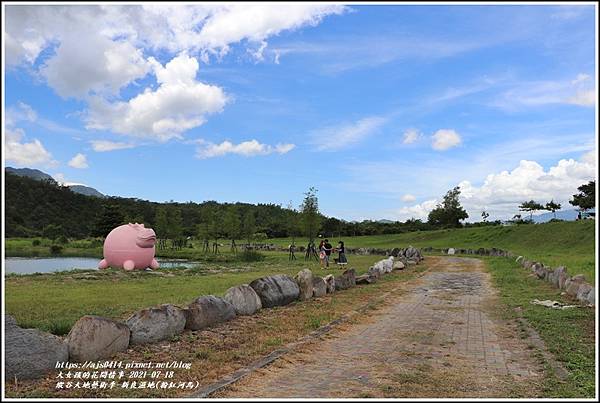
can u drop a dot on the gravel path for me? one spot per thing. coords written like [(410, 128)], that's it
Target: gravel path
[(437, 340)]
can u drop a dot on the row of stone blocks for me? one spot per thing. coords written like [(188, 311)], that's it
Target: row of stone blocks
[(31, 353), (576, 286)]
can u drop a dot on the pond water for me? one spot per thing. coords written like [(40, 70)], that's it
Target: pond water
[(28, 265)]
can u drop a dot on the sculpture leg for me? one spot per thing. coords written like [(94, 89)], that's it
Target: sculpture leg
[(129, 265), (103, 264), (154, 264)]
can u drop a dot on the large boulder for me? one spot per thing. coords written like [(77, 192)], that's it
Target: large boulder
[(319, 287), (556, 275), (388, 264), (304, 279), (572, 285), (398, 265), (330, 282), (366, 279), (451, 251), (583, 291), (244, 299), (346, 280), (412, 253), (208, 310), (539, 270), (156, 323), (92, 338), (30, 353), (276, 290), (395, 252), (591, 297), (375, 272)]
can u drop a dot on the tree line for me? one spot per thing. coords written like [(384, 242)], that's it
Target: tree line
[(44, 208)]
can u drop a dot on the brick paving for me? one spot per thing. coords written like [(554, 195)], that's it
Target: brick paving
[(434, 341)]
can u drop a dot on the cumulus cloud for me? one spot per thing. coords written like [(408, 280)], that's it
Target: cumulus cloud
[(444, 139), (25, 154), (246, 148), (105, 145), (408, 198), (501, 193), (334, 138), (411, 136), (93, 52), (179, 103), (105, 44), (418, 211), (79, 161)]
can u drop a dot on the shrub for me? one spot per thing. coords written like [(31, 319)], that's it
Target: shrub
[(35, 242), (251, 256), (62, 240), (56, 249)]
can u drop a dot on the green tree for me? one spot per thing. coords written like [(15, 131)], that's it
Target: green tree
[(249, 225), (586, 198), (175, 223), (553, 207), (309, 209), (110, 218), (485, 215), (292, 223), (161, 223), (530, 206), (231, 224), (449, 213), (52, 231)]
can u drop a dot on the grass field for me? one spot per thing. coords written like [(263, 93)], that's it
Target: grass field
[(568, 334), (53, 302), (568, 243)]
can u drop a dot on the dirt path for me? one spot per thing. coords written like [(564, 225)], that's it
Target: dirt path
[(438, 340)]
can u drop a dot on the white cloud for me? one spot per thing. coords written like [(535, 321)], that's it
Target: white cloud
[(579, 91), (179, 103), (583, 98), (79, 161), (581, 77), (246, 148), (444, 139), (92, 52), (411, 136), (60, 178), (418, 211), (25, 154), (408, 198), (334, 138), (105, 145), (504, 191)]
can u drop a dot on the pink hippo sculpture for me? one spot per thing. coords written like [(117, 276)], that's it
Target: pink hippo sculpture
[(131, 247)]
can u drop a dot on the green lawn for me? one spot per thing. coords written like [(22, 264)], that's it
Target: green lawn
[(569, 334), (53, 302), (569, 243)]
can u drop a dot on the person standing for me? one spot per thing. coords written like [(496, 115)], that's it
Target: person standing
[(327, 247), (322, 255), (342, 254)]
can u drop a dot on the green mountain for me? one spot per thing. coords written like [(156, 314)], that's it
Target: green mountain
[(39, 175)]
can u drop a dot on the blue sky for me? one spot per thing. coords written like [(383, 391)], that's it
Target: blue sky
[(381, 108)]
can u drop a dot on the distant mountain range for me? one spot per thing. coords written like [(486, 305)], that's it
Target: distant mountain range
[(41, 176), (567, 215)]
